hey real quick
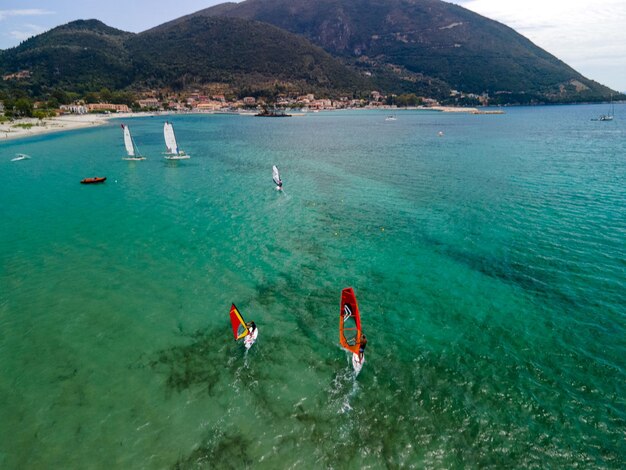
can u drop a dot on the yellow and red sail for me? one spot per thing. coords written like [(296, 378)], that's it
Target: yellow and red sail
[(239, 325), (349, 321)]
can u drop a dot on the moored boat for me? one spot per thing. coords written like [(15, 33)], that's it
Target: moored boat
[(94, 180), (274, 112), (609, 116)]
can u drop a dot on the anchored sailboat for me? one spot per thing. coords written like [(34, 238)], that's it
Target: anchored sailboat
[(350, 327), (241, 328), (607, 117), (131, 147), (173, 152)]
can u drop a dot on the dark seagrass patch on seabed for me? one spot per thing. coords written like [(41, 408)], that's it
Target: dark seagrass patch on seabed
[(223, 450), (193, 364)]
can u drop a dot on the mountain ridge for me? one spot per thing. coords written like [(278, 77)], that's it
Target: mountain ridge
[(426, 47), (437, 39)]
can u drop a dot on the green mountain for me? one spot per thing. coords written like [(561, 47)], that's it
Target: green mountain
[(243, 54), (231, 50), (78, 56), (430, 38)]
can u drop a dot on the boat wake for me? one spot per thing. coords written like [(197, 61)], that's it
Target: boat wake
[(344, 388), (346, 407)]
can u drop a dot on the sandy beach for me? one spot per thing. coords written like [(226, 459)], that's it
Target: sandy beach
[(19, 128)]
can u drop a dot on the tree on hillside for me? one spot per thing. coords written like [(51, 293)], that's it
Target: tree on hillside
[(23, 107), (61, 96), (106, 95), (91, 97), (407, 99)]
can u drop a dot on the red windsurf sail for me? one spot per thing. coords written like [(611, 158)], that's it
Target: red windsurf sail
[(349, 321), (239, 326)]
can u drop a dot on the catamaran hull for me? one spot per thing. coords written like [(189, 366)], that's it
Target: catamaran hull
[(178, 157), (133, 159)]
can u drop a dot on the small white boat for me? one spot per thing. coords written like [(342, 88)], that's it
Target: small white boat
[(131, 147), (391, 118), (173, 152), (20, 156)]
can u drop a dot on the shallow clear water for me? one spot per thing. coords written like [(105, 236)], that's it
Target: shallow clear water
[(489, 265)]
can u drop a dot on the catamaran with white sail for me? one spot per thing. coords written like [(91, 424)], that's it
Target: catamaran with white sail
[(131, 148), (173, 152)]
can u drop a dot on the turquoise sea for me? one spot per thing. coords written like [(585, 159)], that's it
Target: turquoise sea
[(489, 265)]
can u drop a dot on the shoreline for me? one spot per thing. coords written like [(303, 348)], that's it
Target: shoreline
[(68, 122), (71, 122), (48, 125)]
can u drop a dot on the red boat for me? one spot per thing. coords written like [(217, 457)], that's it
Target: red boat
[(95, 179)]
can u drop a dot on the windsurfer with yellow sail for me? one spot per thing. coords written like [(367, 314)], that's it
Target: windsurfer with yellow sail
[(241, 329)]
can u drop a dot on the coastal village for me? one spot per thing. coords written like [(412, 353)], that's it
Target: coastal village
[(40, 117), (206, 101), (198, 103), (29, 118)]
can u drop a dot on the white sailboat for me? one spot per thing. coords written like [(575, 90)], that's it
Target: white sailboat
[(131, 147), (607, 117), (173, 152)]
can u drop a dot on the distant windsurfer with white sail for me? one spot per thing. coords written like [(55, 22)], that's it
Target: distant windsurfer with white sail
[(276, 178)]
